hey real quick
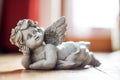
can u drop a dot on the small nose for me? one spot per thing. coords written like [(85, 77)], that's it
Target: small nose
[(34, 35)]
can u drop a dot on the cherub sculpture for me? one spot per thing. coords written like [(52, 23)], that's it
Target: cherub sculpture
[(45, 49)]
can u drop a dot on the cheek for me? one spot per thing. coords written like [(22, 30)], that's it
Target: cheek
[(41, 38), (30, 43)]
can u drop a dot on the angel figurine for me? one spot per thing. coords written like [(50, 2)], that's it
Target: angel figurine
[(45, 49)]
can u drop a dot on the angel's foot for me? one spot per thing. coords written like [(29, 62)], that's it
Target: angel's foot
[(94, 62)]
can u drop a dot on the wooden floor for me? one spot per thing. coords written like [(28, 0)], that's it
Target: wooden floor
[(11, 69)]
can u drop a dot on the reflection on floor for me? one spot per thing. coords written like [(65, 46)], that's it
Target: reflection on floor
[(11, 69)]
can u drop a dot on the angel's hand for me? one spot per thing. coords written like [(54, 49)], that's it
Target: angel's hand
[(25, 50), (65, 64)]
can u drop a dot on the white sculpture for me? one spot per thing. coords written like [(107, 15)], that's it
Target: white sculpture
[(45, 49)]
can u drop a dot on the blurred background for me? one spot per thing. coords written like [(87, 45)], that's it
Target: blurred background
[(97, 21)]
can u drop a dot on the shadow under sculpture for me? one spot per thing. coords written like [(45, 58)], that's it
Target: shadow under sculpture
[(45, 49)]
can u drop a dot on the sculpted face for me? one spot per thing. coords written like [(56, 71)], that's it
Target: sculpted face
[(33, 37)]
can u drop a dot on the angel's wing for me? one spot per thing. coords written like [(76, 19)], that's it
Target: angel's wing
[(55, 33)]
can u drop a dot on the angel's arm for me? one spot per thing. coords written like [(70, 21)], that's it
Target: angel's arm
[(49, 62), (26, 60)]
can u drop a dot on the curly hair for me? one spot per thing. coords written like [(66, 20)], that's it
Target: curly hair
[(16, 37)]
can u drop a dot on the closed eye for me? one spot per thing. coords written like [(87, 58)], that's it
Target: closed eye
[(29, 36), (35, 31)]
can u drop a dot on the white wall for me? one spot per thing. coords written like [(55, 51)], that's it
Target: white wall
[(50, 10)]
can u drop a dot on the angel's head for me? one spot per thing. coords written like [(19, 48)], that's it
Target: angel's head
[(27, 33)]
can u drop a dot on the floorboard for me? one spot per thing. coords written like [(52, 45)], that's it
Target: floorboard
[(11, 69)]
